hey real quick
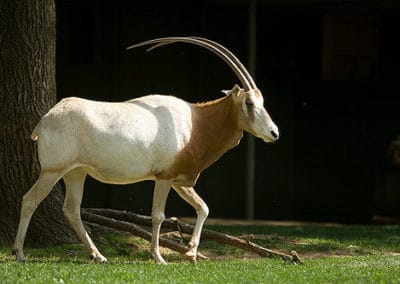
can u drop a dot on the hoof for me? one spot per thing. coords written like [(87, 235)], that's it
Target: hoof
[(191, 257), (19, 256), (162, 262), (98, 258), (158, 259)]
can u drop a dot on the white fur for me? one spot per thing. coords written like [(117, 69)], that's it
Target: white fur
[(116, 142)]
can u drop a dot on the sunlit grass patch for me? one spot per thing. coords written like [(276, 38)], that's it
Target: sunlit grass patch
[(360, 269)]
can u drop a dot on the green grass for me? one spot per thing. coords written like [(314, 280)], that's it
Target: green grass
[(348, 240), (346, 254), (360, 269)]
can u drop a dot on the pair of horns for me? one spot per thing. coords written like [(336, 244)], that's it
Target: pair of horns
[(225, 54)]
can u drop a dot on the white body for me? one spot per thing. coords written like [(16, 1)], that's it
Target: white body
[(160, 138), (115, 142)]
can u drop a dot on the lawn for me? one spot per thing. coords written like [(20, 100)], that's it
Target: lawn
[(338, 254)]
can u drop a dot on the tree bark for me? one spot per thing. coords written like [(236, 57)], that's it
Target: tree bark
[(27, 91)]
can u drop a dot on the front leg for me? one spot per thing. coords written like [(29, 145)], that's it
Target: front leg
[(190, 196), (161, 191)]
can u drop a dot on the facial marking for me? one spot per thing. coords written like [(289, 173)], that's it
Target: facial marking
[(250, 108)]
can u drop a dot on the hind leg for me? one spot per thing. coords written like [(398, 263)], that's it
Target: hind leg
[(190, 196), (30, 202), (74, 182)]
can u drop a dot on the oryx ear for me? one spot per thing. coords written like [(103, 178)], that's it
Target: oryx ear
[(226, 92), (235, 91)]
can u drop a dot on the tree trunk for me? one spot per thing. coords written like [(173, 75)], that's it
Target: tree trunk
[(27, 91)]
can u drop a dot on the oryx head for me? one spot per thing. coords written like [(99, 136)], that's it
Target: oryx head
[(253, 117)]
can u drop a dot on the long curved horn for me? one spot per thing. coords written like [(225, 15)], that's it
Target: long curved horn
[(225, 50), (234, 59), (216, 50)]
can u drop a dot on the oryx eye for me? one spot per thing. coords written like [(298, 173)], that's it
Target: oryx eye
[(249, 103)]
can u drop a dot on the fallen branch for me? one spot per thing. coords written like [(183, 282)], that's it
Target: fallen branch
[(134, 229), (174, 224)]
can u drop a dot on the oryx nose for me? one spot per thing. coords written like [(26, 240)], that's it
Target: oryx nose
[(275, 134)]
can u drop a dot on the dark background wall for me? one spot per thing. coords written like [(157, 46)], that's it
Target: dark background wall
[(329, 74)]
